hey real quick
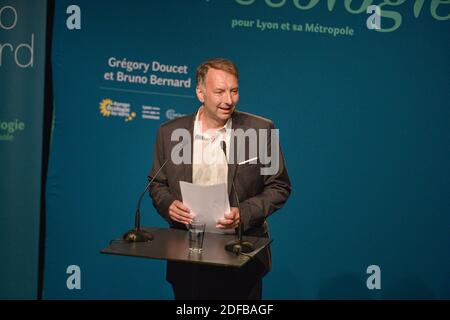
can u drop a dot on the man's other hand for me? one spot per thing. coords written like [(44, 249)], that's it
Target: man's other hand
[(230, 220), (179, 212)]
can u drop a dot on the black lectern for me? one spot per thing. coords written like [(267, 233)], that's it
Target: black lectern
[(173, 244)]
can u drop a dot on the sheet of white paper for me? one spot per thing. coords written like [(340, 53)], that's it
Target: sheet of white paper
[(207, 203)]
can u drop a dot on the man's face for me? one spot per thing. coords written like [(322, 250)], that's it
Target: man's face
[(219, 95)]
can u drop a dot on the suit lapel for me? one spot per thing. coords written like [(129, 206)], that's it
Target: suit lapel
[(188, 167), (232, 166)]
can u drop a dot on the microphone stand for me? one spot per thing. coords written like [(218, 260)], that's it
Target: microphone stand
[(137, 234), (237, 246)]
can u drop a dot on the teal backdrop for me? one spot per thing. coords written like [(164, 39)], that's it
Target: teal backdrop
[(364, 123), (22, 65)]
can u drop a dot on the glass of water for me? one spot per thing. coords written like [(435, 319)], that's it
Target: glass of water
[(196, 236)]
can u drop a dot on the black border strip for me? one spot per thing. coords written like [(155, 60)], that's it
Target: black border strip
[(46, 138)]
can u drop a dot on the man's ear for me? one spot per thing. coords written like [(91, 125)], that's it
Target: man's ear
[(200, 94)]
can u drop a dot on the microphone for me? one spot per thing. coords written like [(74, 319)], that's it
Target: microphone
[(236, 246), (137, 234)]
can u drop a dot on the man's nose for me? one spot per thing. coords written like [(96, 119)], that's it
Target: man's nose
[(227, 98)]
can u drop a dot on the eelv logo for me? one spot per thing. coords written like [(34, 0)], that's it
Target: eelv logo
[(8, 129), (112, 108)]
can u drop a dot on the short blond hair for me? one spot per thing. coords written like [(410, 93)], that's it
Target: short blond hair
[(215, 63)]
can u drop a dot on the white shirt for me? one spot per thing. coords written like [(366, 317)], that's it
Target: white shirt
[(209, 165)]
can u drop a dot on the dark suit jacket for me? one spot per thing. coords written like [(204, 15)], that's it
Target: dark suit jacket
[(259, 195)]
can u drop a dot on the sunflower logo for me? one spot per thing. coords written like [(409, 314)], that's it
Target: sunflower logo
[(105, 107), (110, 108)]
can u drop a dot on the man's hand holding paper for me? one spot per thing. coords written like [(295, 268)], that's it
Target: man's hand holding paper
[(230, 220)]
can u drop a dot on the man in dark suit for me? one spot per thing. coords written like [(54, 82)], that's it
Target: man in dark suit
[(260, 194)]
